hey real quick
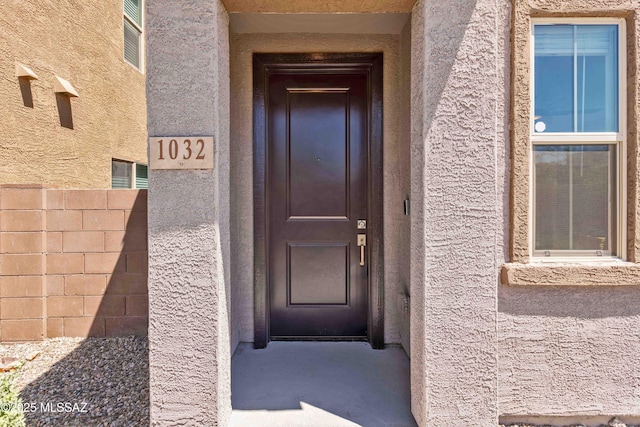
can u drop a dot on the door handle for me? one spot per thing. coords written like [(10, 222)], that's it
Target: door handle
[(362, 242)]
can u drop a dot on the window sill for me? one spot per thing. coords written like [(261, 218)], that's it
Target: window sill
[(596, 273)]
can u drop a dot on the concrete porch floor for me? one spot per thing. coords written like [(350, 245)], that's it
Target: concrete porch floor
[(320, 384)]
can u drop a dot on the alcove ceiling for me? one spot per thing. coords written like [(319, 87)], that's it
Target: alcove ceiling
[(318, 6), (334, 23)]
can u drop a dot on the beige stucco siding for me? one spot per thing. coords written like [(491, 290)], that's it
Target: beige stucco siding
[(459, 101), (396, 171), (82, 43), (188, 94)]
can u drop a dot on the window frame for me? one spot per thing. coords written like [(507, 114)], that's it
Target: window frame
[(139, 28), (617, 139)]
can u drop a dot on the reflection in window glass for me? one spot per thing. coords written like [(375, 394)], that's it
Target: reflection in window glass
[(576, 78), (120, 174), (142, 176), (574, 197)]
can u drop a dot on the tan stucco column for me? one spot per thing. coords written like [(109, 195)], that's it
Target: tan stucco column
[(459, 128), (187, 95)]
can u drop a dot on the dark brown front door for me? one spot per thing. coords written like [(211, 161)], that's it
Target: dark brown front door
[(317, 192), (314, 127)]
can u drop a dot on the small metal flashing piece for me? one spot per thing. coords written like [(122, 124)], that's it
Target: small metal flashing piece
[(22, 71), (405, 206), (61, 85)]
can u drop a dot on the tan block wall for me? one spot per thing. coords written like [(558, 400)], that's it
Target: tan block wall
[(72, 263), (83, 45), (22, 264)]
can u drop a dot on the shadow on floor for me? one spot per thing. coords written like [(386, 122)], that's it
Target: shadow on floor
[(320, 384), (106, 377)]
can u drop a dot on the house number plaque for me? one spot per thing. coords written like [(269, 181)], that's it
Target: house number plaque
[(181, 152)]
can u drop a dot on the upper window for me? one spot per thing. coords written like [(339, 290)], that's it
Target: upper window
[(133, 32), (128, 175), (578, 138)]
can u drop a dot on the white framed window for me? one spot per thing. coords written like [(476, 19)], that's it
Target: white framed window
[(132, 23), (128, 174), (578, 138)]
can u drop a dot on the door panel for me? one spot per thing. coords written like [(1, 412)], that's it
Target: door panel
[(317, 190), (318, 274), (318, 147)]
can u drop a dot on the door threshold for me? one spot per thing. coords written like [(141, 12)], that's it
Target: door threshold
[(323, 338)]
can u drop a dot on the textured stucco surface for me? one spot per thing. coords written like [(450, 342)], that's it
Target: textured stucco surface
[(315, 6), (458, 150), (84, 45), (396, 183), (576, 274), (573, 421), (404, 251), (188, 94), (568, 350)]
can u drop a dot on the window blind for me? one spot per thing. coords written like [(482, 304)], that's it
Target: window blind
[(133, 11), (590, 39), (142, 179), (131, 44), (120, 174)]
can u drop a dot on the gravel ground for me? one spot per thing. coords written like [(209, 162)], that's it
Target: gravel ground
[(84, 382)]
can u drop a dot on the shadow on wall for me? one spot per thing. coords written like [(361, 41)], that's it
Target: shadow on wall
[(64, 110), (442, 68), (25, 91), (109, 371)]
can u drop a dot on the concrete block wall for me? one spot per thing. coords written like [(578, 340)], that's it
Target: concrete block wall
[(72, 263), (22, 263)]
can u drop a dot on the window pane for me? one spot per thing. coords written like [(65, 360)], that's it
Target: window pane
[(576, 78), (554, 93), (142, 180), (120, 174), (575, 195), (131, 44), (132, 9)]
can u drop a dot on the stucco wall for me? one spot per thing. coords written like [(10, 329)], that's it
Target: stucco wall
[(404, 223), (396, 182), (569, 351), (188, 94), (84, 45), (459, 101)]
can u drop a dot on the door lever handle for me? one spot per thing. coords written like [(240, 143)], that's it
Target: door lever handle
[(362, 242)]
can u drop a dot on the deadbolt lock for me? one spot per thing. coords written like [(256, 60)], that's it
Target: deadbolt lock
[(362, 224)]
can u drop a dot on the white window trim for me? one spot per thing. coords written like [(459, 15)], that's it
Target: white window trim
[(619, 139), (141, 44)]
